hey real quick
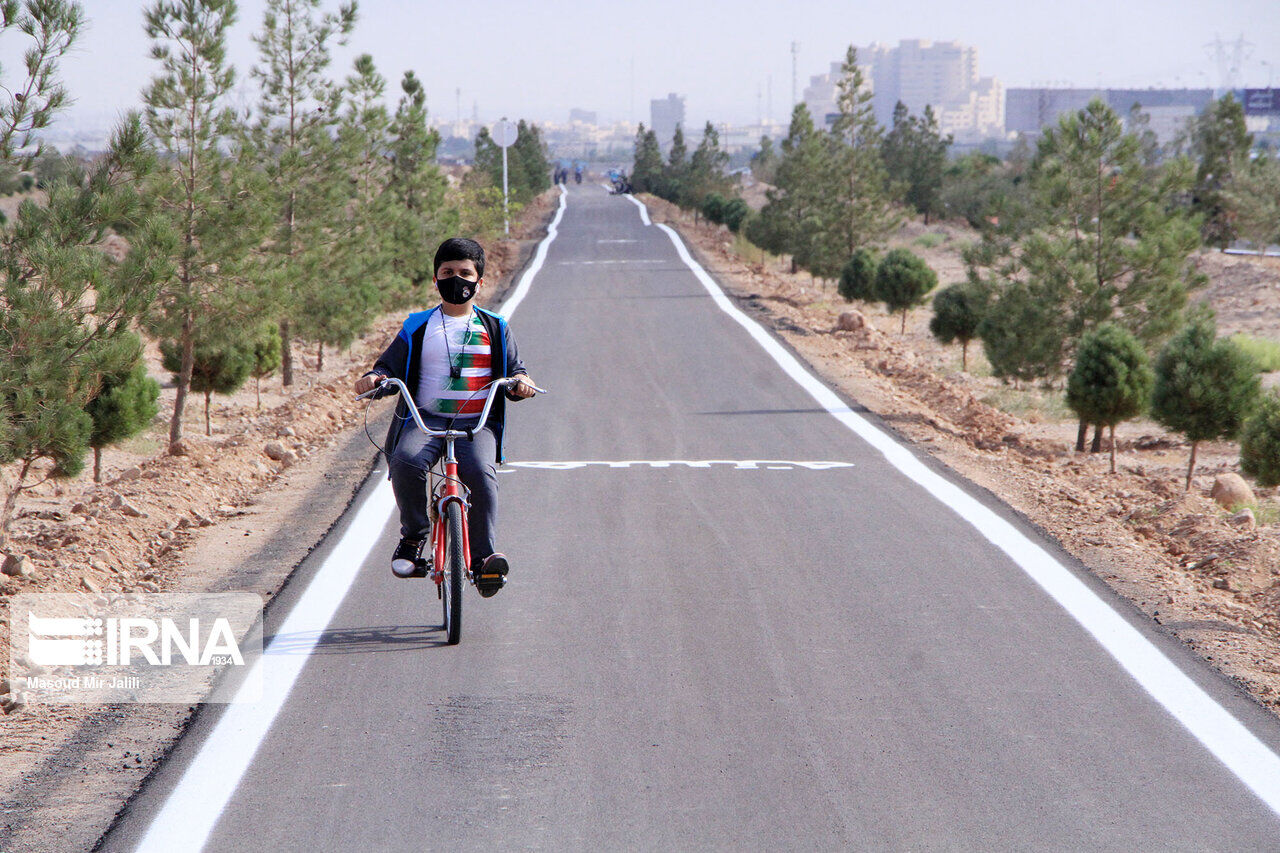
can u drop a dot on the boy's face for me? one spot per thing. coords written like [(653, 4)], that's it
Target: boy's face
[(465, 268)]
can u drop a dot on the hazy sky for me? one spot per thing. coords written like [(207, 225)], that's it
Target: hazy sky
[(539, 59)]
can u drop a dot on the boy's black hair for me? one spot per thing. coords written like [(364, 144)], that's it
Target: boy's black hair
[(460, 249)]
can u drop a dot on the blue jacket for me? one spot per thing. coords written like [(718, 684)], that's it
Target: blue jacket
[(402, 359)]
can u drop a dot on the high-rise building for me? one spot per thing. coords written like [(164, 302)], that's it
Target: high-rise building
[(664, 115), (582, 116), (941, 75)]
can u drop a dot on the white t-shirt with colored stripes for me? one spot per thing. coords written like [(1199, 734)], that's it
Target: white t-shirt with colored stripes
[(468, 350)]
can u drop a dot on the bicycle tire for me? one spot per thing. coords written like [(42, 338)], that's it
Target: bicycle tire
[(454, 574)]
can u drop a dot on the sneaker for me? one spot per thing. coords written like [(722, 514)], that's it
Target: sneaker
[(407, 560), (492, 575)]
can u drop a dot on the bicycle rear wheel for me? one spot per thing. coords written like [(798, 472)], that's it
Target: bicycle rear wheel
[(454, 574)]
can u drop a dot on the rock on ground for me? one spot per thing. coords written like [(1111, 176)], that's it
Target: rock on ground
[(1231, 491)]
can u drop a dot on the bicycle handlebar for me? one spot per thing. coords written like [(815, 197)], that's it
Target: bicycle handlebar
[(468, 431)]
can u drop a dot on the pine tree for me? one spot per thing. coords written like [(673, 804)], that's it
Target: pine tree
[(1205, 387), (1260, 442), (646, 169), (297, 113), (902, 281), (1120, 245), (858, 278), (528, 169), (423, 215), (266, 357), (1252, 200), (1111, 243), (1148, 142), (53, 26), (51, 166), (1218, 141), (487, 163), (529, 158), (1022, 332), (64, 303), (798, 205), (360, 275), (857, 210), (200, 192), (221, 364), (915, 158), (676, 173), (1111, 381), (707, 167), (764, 163), (958, 310), (988, 194), (712, 208), (125, 403)]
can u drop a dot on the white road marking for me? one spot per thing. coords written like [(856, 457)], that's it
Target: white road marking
[(735, 464), (192, 809), (614, 262), (526, 281), (1210, 723), (644, 211)]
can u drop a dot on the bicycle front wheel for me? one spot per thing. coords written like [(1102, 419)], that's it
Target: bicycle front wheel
[(454, 574)]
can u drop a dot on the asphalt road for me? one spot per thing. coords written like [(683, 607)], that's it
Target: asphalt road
[(723, 657)]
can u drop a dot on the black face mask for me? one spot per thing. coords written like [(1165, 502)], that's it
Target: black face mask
[(455, 289)]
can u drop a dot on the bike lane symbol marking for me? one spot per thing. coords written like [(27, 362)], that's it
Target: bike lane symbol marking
[(734, 464)]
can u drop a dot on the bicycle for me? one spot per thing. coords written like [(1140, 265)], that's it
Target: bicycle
[(449, 565)]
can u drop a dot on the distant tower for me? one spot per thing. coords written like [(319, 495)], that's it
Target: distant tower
[(1229, 59), (795, 53), (458, 95)]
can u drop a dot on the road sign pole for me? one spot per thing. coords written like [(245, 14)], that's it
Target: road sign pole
[(506, 225), (504, 135)]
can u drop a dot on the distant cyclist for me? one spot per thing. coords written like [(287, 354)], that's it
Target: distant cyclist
[(445, 355)]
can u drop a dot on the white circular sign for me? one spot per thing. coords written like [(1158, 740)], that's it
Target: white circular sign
[(504, 133)]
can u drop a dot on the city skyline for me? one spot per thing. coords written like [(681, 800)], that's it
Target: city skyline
[(540, 63)]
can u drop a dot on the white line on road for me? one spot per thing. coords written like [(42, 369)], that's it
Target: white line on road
[(619, 262), (644, 211), (734, 464), (1211, 724), (189, 815), (526, 281)]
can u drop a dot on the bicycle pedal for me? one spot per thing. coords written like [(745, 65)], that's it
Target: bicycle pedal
[(422, 568)]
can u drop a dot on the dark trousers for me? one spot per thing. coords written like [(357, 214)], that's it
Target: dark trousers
[(416, 452)]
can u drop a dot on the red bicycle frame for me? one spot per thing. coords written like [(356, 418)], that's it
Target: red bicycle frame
[(450, 491)]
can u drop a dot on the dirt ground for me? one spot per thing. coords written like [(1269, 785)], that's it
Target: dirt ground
[(195, 522), (1212, 582)]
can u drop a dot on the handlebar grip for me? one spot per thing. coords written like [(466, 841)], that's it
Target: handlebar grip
[(512, 380), (379, 391)]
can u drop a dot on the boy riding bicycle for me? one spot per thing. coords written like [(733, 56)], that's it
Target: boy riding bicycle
[(445, 356)]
